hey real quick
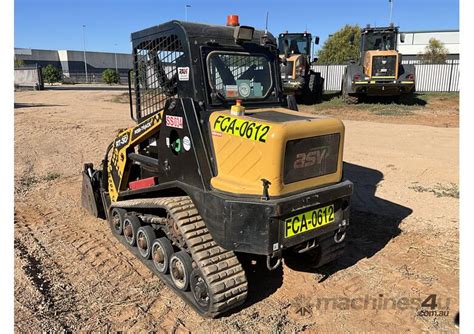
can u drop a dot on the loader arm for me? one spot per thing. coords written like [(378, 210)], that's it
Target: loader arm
[(122, 146)]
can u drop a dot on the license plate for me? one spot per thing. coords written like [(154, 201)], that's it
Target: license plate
[(309, 220)]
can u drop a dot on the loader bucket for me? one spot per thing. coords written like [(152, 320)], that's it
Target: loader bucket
[(90, 194)]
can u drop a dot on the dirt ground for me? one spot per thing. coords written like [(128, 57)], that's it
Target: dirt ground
[(70, 273)]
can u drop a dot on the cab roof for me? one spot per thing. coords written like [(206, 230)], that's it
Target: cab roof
[(201, 33)]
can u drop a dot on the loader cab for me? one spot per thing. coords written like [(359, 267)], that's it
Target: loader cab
[(211, 65), (295, 43), (378, 39)]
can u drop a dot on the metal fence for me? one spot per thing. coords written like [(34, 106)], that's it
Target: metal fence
[(429, 77), (94, 78)]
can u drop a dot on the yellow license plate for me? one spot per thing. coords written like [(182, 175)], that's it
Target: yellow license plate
[(309, 220)]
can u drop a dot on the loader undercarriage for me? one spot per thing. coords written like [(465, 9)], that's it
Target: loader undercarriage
[(218, 282)]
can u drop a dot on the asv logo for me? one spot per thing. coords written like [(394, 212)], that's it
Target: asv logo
[(314, 156)]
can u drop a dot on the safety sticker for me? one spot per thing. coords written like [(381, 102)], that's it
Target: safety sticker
[(231, 91), (183, 73), (174, 121), (241, 128), (186, 143)]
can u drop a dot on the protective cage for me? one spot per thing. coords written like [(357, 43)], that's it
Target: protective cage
[(156, 63)]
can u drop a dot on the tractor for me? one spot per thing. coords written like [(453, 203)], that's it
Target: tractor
[(379, 71)]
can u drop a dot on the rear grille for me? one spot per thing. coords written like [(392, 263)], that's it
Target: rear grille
[(311, 157), (384, 66)]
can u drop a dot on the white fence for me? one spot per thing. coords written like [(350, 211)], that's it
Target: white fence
[(429, 77)]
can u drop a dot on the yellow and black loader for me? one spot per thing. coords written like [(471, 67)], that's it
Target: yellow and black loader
[(217, 165)]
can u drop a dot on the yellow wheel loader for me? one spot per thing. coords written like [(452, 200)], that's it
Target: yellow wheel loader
[(379, 71)]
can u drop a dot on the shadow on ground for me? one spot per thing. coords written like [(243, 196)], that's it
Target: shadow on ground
[(35, 105), (87, 88), (374, 222), (262, 283)]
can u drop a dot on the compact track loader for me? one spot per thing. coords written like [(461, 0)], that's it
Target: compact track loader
[(217, 165)]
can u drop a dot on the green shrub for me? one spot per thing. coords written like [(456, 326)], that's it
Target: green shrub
[(110, 76), (51, 74)]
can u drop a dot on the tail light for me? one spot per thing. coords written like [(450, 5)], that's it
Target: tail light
[(356, 77), (410, 76)]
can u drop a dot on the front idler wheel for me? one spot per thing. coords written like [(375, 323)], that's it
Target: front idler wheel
[(161, 252), (200, 290), (181, 267), (131, 224), (117, 216), (145, 238)]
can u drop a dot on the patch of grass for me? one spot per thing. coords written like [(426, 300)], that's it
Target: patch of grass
[(390, 109), (122, 98), (439, 190), (51, 176), (439, 96)]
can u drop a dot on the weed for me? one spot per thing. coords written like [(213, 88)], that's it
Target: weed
[(439, 190)]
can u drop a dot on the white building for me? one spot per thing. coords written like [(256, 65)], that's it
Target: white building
[(416, 42)]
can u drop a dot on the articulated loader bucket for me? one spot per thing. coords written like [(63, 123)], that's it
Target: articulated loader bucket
[(91, 199)]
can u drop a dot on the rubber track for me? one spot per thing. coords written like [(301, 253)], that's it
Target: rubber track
[(221, 269)]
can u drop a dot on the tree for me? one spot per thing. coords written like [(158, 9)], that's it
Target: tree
[(51, 74), (110, 76), (435, 52), (337, 49), (19, 62)]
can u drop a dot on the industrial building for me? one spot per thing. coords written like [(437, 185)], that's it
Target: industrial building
[(71, 63), (416, 42)]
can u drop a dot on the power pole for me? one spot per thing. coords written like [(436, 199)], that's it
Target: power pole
[(186, 12), (391, 10), (84, 45)]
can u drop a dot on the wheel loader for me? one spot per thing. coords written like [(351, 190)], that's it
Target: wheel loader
[(296, 73), (217, 166), (379, 71)]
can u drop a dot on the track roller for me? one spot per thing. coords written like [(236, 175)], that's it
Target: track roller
[(161, 252), (117, 216), (131, 224), (200, 289), (145, 237), (181, 266)]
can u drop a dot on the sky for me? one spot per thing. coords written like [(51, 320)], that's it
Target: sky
[(58, 24)]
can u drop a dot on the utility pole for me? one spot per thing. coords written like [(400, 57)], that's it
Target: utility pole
[(115, 54), (84, 45), (186, 12), (391, 10)]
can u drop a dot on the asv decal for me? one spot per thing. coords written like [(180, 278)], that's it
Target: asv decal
[(121, 141), (314, 156), (174, 121)]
